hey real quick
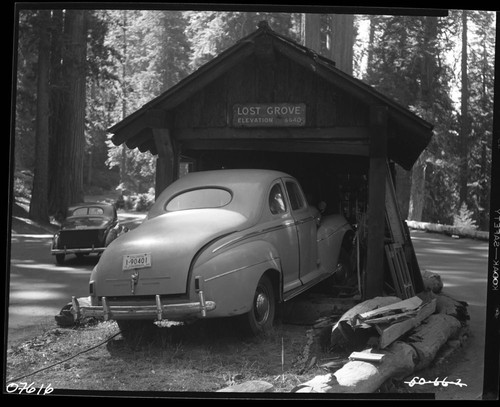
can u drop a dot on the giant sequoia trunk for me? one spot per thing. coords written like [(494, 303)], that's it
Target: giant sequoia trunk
[(68, 177), (312, 31), (39, 205), (57, 101), (342, 42), (427, 96), (417, 200), (464, 127)]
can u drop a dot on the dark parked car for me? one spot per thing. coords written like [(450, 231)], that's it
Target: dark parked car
[(219, 243), (87, 228)]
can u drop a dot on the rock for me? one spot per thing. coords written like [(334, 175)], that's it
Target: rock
[(251, 386), (432, 282)]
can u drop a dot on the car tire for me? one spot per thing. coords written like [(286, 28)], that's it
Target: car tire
[(340, 278), (135, 332), (260, 318), (60, 258), (343, 269)]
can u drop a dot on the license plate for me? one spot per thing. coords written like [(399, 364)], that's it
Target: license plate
[(136, 261)]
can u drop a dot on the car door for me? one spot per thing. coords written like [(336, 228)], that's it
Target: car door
[(283, 235), (305, 222)]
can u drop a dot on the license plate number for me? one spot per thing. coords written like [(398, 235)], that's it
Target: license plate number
[(136, 261)]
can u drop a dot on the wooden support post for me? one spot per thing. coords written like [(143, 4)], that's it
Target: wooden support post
[(167, 163), (374, 272)]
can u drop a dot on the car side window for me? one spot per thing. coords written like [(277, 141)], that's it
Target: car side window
[(295, 195), (277, 200), (95, 211)]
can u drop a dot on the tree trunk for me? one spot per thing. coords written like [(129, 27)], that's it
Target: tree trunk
[(71, 143), (417, 196), (403, 190), (57, 103), (464, 127), (39, 198), (371, 40), (341, 50), (312, 32)]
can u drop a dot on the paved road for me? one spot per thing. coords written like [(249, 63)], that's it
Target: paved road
[(462, 265), (39, 288)]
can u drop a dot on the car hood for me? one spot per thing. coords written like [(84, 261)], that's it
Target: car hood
[(171, 240), (85, 223)]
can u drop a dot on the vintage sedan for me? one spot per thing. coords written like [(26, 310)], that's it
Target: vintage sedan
[(223, 243), (87, 228)]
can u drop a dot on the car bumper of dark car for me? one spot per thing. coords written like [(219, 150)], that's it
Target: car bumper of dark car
[(158, 311), (83, 250)]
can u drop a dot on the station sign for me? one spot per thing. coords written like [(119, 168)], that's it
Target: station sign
[(269, 115)]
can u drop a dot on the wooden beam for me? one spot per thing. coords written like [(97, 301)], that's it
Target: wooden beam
[(374, 269), (340, 148), (153, 118), (353, 133), (394, 331), (167, 162)]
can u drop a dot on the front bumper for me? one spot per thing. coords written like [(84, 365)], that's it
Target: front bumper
[(157, 312)]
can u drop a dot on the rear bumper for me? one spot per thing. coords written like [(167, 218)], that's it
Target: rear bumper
[(87, 250), (156, 312)]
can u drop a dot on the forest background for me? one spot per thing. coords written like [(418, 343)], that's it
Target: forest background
[(78, 72)]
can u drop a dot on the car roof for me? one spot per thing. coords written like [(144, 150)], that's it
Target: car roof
[(231, 176), (249, 185)]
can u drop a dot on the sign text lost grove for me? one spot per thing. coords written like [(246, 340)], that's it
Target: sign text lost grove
[(269, 115)]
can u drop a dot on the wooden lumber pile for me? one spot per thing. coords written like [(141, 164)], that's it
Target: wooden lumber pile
[(391, 319), (346, 335)]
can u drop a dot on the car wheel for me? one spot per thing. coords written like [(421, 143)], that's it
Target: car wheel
[(260, 318), (135, 332), (341, 277), (343, 270), (60, 258)]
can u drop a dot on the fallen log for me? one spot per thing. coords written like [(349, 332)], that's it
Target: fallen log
[(449, 306), (431, 335), (364, 377)]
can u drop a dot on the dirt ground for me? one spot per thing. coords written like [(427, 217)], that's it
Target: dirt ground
[(202, 357)]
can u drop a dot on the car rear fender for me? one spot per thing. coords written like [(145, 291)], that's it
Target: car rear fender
[(230, 278)]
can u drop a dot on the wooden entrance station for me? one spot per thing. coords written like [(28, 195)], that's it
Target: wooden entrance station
[(269, 102)]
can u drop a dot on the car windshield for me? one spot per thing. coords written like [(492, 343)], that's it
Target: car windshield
[(199, 198)]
